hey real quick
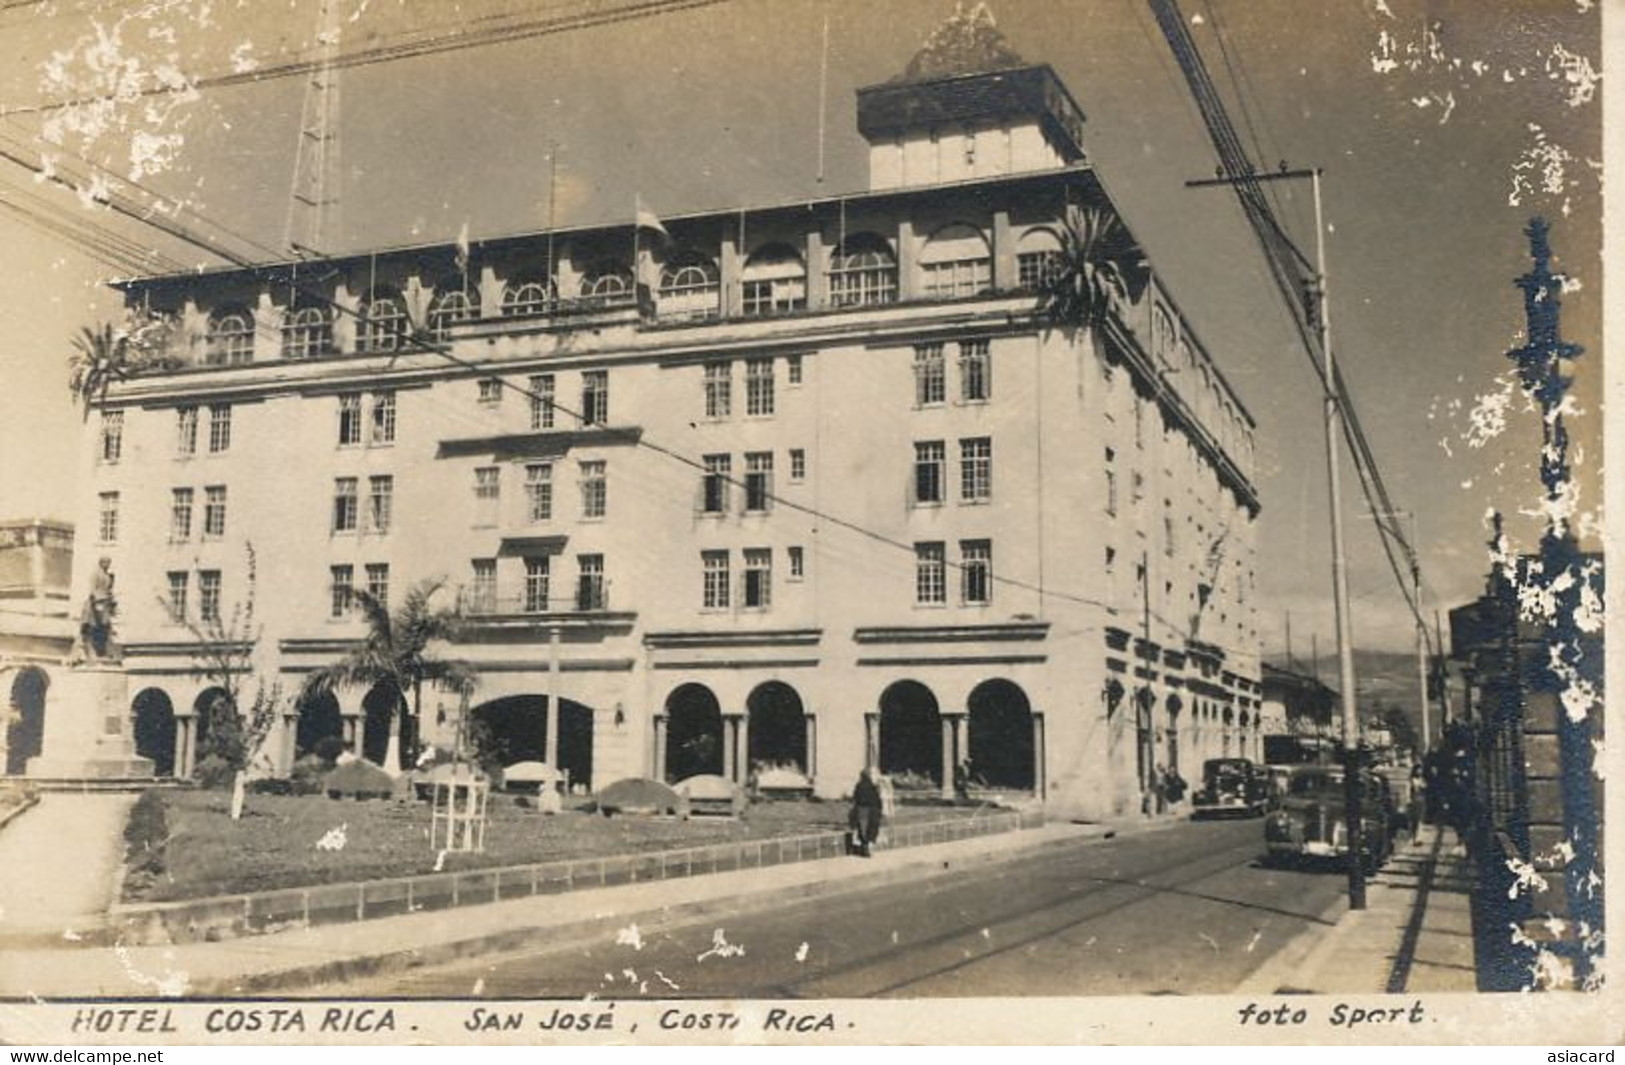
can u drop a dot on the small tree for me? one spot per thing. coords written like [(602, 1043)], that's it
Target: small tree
[(399, 649)]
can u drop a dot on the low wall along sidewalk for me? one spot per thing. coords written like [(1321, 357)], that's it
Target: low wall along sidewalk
[(258, 913)]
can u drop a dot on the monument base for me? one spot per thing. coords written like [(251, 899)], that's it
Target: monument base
[(87, 728)]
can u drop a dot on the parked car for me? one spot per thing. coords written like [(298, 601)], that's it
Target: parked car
[(1231, 786), (1310, 820)]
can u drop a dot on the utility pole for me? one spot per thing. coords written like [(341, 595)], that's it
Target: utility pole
[(1421, 632), (1321, 319)]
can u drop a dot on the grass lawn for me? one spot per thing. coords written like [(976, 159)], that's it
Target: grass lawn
[(197, 850)]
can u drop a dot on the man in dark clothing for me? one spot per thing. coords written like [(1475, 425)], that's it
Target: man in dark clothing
[(865, 816)]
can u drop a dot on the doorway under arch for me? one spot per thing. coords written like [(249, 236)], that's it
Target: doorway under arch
[(1000, 739), (155, 729), (910, 732), (693, 733), (381, 703), (778, 727), (514, 729)]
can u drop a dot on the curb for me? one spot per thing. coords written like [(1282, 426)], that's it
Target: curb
[(247, 915), (581, 932)]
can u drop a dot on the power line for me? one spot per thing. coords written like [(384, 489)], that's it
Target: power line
[(457, 38)]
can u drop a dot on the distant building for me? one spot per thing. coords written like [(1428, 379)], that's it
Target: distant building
[(1299, 704), (36, 628), (910, 521)]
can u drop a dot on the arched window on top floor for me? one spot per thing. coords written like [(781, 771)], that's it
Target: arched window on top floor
[(862, 271), (230, 338), (775, 281), (383, 321), (1162, 334), (1038, 258), (608, 283), (690, 287), (307, 333), (453, 302), (956, 262), (528, 296)]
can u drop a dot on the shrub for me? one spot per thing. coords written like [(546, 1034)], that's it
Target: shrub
[(307, 774), (214, 772), (146, 840), (328, 749)]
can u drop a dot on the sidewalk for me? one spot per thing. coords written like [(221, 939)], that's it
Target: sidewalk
[(61, 859), (1415, 934), (297, 960)]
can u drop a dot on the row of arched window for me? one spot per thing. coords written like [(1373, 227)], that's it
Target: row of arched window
[(956, 261)]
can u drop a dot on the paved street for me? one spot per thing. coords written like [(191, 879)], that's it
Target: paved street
[(1178, 910)]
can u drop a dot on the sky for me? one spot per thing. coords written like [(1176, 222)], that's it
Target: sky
[(1441, 126)]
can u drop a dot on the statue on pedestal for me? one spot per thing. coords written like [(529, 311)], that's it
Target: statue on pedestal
[(96, 643)]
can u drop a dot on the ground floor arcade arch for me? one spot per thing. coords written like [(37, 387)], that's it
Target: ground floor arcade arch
[(777, 727), (155, 729), (910, 741), (693, 734), (25, 731), (514, 729), (1001, 738)]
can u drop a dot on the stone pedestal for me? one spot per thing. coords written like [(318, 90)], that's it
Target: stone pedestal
[(88, 727)]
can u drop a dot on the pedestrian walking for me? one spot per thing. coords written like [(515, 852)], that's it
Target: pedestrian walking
[(866, 813)]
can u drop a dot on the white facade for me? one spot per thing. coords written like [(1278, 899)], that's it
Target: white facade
[(943, 564)]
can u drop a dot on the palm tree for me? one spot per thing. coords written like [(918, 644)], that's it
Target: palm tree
[(1090, 270), (112, 353), (398, 650)]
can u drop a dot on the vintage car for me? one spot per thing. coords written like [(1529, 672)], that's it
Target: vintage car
[(1309, 822), (1231, 786)]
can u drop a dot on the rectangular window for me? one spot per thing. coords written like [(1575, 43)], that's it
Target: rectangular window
[(177, 597), (539, 492), (490, 391), (930, 456), (346, 505), (383, 418), (976, 469), (798, 465), (541, 401), (107, 523), (482, 587), (718, 389), (1139, 486), (214, 511), (186, 431), (590, 582), (219, 427), (718, 471), (930, 378), (792, 369), (976, 571), (341, 586), (112, 435), (956, 278), (208, 595), (380, 503), (715, 564), (378, 582), (487, 494), (1111, 560), (594, 489), (1036, 269), (930, 574), (595, 397), (1168, 527), (350, 419), (1139, 421), (180, 515), (758, 480), (537, 571), (758, 593), (1111, 483), (975, 371), (758, 387), (798, 564)]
